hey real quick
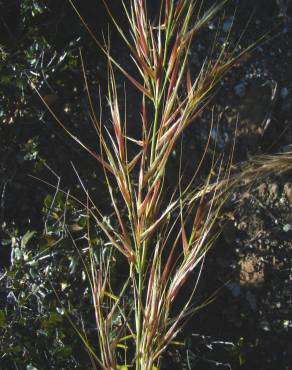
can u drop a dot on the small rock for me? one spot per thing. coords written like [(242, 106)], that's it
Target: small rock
[(287, 228), (288, 192), (251, 273), (242, 226), (262, 190), (274, 191), (282, 200)]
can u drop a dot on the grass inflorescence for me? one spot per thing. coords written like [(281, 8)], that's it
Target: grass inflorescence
[(162, 235)]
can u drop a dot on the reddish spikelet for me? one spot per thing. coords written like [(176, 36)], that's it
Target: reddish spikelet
[(170, 133), (144, 117), (167, 268), (153, 202), (184, 238), (116, 120), (167, 10), (147, 71), (159, 72), (142, 44), (167, 120), (199, 217), (145, 202), (122, 185), (173, 79), (154, 48), (174, 56)]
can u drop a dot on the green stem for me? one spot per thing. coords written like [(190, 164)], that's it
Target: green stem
[(139, 321), (139, 313)]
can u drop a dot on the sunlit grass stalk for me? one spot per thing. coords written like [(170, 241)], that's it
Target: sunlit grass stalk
[(162, 237), (161, 53), (151, 70)]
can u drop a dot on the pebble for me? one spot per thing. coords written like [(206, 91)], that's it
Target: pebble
[(288, 192), (273, 191), (262, 190), (251, 273), (242, 226), (282, 200), (287, 228)]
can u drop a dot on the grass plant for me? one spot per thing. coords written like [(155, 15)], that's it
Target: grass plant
[(162, 234)]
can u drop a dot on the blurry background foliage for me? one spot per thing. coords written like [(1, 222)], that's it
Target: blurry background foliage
[(39, 41)]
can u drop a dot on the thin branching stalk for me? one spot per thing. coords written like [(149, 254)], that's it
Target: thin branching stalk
[(162, 235)]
